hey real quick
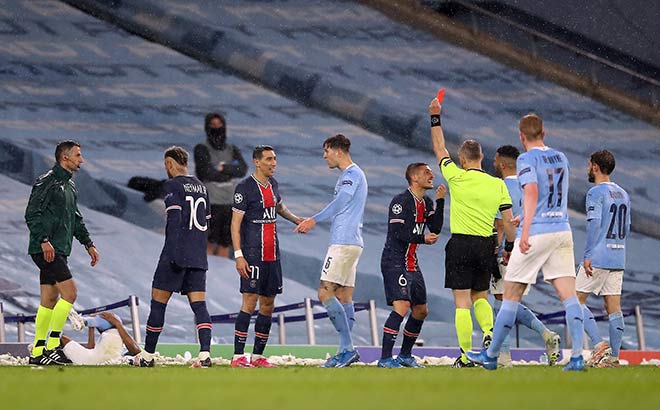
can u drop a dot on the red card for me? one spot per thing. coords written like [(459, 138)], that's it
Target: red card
[(441, 95)]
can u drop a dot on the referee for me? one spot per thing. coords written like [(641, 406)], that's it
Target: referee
[(475, 199)]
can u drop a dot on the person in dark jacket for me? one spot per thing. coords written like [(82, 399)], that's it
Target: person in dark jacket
[(53, 218), (219, 166)]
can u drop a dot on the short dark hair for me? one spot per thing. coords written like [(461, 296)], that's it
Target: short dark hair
[(605, 161), (532, 126), (64, 146), (508, 151), (470, 150), (258, 151), (412, 168), (339, 141), (178, 154), (210, 116)]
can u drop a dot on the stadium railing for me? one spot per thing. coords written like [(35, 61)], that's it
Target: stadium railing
[(131, 302), (309, 317)]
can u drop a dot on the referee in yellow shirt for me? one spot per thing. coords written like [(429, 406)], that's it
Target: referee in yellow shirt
[(475, 199)]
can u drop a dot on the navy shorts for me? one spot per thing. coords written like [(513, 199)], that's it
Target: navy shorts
[(403, 285), (176, 279), (265, 278), (53, 272)]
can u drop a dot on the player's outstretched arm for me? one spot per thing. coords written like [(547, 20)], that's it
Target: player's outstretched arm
[(242, 266), (130, 343), (285, 213), (438, 137)]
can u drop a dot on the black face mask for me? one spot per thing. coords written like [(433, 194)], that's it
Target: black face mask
[(217, 137)]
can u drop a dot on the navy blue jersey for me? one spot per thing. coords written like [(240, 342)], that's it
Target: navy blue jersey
[(408, 217), (258, 204), (188, 210)]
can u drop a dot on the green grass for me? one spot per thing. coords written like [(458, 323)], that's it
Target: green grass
[(222, 387)]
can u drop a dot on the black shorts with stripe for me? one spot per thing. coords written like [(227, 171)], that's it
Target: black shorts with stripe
[(469, 262), (401, 284)]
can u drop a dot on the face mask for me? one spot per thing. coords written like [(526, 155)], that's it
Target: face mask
[(217, 137)]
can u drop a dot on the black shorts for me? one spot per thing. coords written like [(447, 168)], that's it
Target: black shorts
[(54, 272), (220, 225), (403, 285), (265, 278), (469, 262), (176, 279)]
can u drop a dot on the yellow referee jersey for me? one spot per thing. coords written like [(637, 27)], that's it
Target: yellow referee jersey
[(475, 199)]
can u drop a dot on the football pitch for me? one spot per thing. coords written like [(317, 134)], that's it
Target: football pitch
[(359, 387)]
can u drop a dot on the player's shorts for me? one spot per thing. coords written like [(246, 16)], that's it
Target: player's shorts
[(401, 284), (220, 225), (176, 279), (497, 285), (340, 264), (551, 253), (53, 272), (603, 282), (109, 347), (265, 277), (469, 262)]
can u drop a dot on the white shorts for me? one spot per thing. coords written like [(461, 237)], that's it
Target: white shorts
[(603, 282), (340, 264), (550, 252), (497, 285), (108, 347)]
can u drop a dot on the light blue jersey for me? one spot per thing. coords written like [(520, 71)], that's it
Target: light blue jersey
[(516, 201), (608, 225), (549, 169), (347, 209)]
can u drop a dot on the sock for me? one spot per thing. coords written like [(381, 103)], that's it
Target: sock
[(504, 322), (204, 326), (41, 325), (390, 332), (155, 323), (410, 333), (261, 332), (337, 316), (483, 312), (241, 332), (575, 323), (57, 321), (590, 326), (616, 332), (349, 308), (506, 344), (463, 323), (526, 317)]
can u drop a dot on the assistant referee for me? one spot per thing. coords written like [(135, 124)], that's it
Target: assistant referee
[(475, 199)]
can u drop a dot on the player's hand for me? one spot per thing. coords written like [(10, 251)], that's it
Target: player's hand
[(242, 267), (110, 317), (588, 268), (515, 221), (49, 251), (435, 108), (299, 220), (440, 192), (94, 254), (505, 258), (431, 238), (524, 244), (305, 226)]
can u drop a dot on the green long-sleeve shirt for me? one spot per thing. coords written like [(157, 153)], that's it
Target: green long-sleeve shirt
[(52, 213)]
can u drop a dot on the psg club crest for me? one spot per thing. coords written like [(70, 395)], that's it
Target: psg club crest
[(396, 209), (253, 283), (238, 198)]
